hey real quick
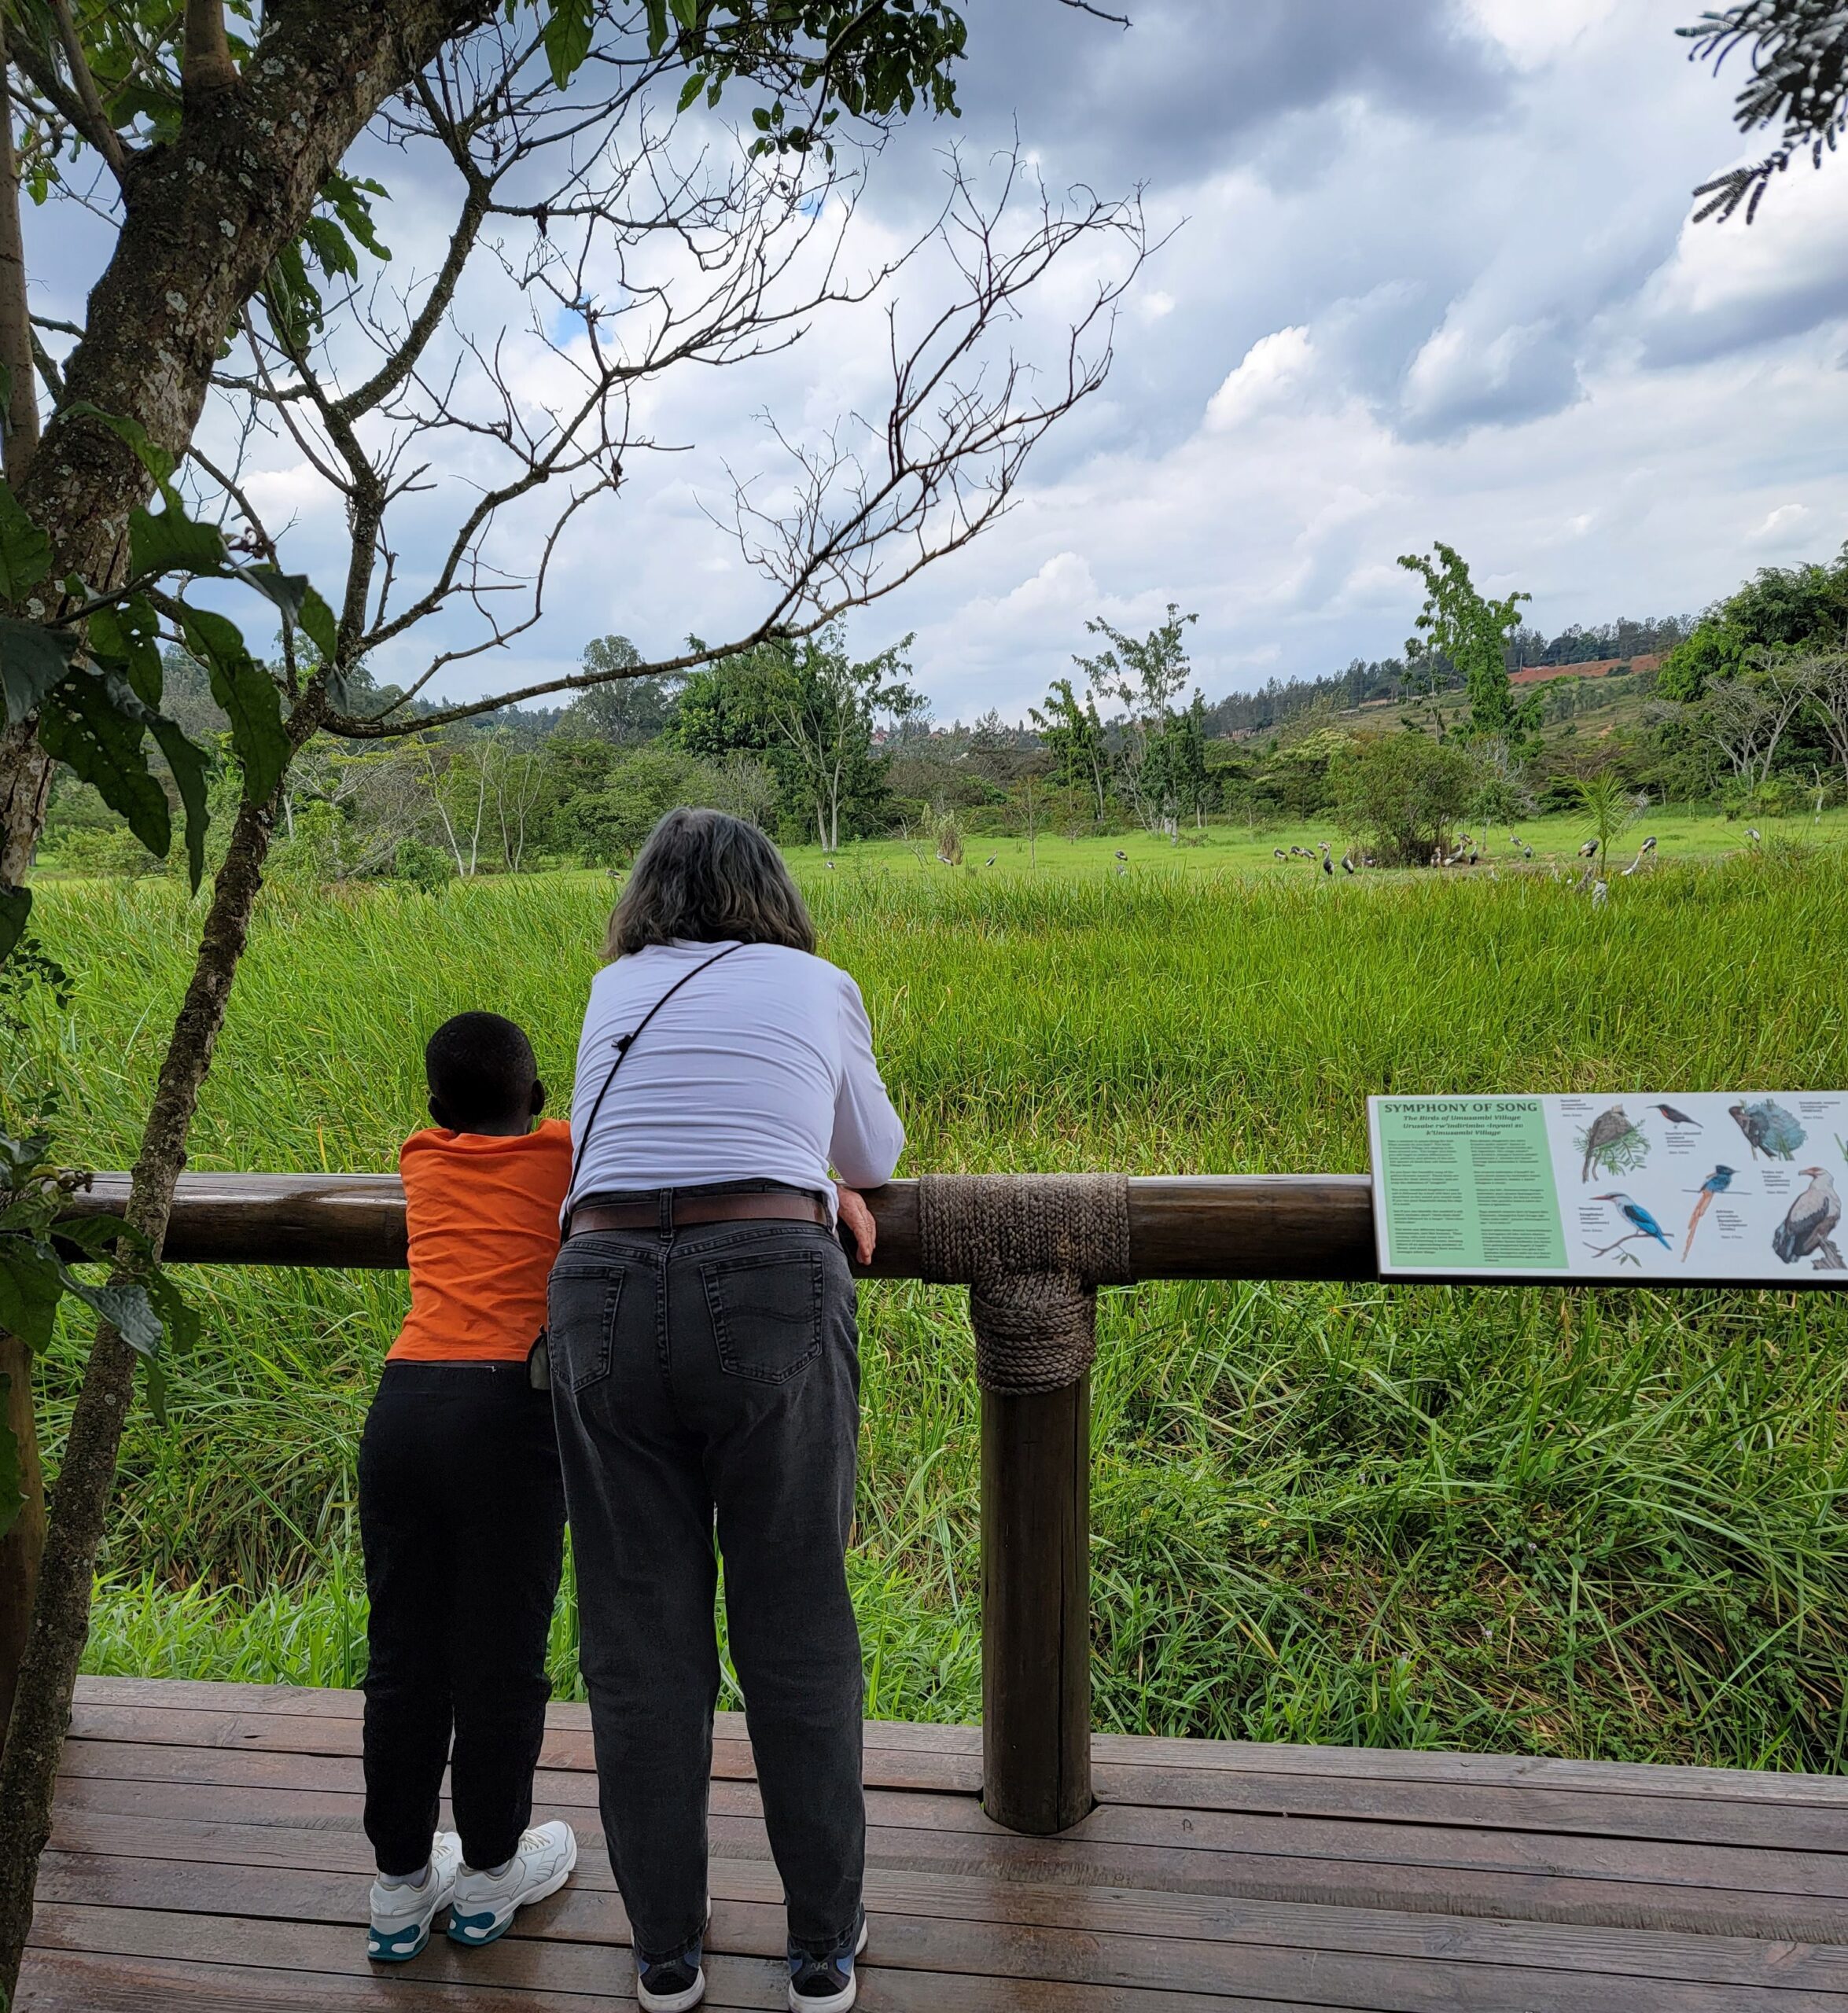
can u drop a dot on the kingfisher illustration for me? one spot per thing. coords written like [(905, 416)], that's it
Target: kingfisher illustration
[(1678, 1117), (1641, 1224), (1717, 1183)]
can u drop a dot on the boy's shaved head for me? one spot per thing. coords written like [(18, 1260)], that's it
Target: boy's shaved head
[(483, 1074)]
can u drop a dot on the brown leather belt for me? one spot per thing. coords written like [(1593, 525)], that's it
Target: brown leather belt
[(698, 1209)]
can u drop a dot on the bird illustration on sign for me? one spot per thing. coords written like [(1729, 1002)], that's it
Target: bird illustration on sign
[(1769, 1128), (1809, 1230), (1642, 1224), (1675, 1117), (1611, 1144), (1717, 1183)]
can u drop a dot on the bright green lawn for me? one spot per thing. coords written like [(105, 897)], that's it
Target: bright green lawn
[(1603, 1523)]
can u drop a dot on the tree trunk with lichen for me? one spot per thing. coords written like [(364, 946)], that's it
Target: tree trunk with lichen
[(21, 760), (86, 1479)]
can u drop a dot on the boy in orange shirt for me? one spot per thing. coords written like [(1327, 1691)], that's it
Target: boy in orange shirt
[(461, 1511)]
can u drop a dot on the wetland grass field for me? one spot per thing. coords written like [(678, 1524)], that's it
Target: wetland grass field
[(1592, 1523)]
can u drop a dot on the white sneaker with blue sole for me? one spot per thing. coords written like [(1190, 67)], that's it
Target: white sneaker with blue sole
[(484, 1903), (402, 1914)]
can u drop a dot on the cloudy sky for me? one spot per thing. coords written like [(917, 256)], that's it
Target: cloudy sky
[(1429, 274)]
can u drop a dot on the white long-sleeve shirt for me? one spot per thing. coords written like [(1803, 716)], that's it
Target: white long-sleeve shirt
[(761, 1069)]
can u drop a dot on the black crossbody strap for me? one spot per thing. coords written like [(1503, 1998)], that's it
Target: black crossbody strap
[(625, 1043)]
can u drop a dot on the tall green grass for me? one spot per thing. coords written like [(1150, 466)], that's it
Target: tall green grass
[(1594, 1523)]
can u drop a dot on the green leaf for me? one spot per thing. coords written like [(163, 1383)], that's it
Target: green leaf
[(287, 590), (156, 1376), (567, 37), (247, 694), (127, 637), (179, 1318), (686, 14), (33, 659), (173, 543), (15, 910), (317, 619), (657, 26), (690, 89), (127, 1308), (31, 1284), (188, 764), (25, 551), (13, 1494), (156, 459), (96, 726)]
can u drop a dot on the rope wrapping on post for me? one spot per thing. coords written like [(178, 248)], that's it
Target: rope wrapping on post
[(1032, 1249)]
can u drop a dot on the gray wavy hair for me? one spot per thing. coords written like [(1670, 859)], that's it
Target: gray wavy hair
[(705, 877)]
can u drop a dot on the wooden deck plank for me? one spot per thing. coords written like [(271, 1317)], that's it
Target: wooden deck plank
[(1618, 1904), (84, 1861), (1127, 1750), (1817, 1875), (991, 1959), (1538, 1806), (331, 1963), (208, 1853)]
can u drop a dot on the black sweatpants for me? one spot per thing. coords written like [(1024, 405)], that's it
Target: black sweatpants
[(461, 1515)]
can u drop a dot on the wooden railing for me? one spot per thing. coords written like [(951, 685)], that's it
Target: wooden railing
[(1035, 1450)]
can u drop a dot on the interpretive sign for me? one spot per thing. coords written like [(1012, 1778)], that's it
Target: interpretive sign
[(1738, 1188)]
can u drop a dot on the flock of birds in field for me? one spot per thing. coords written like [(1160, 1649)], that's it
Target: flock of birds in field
[(1470, 852)]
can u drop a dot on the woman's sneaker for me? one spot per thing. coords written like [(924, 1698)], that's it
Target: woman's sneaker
[(402, 1914), (826, 1985), (484, 1904), (675, 1984)]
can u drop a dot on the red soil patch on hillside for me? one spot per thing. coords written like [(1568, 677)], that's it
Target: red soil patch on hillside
[(1543, 674)]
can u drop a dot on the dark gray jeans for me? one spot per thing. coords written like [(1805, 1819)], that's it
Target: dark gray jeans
[(715, 1371)]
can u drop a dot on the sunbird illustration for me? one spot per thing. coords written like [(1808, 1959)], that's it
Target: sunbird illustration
[(1717, 1183), (1678, 1117), (1641, 1224)]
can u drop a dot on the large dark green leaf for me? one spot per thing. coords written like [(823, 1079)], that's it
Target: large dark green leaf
[(318, 620), (32, 660), (567, 39), (94, 724), (188, 765), (247, 694), (126, 638), (173, 543), (31, 1284), (25, 551), (127, 1308), (16, 909)]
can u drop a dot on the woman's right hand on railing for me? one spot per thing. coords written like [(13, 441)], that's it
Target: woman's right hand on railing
[(858, 1221)]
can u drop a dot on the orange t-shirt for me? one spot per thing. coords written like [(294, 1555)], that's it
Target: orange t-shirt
[(482, 1214)]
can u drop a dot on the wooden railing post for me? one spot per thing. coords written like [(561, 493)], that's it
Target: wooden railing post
[(1036, 1608)]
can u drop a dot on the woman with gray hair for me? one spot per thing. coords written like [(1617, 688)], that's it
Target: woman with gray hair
[(705, 1374)]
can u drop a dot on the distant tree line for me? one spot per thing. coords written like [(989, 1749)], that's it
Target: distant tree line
[(1748, 708)]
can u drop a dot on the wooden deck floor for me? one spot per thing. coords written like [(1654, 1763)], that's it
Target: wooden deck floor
[(207, 1855)]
